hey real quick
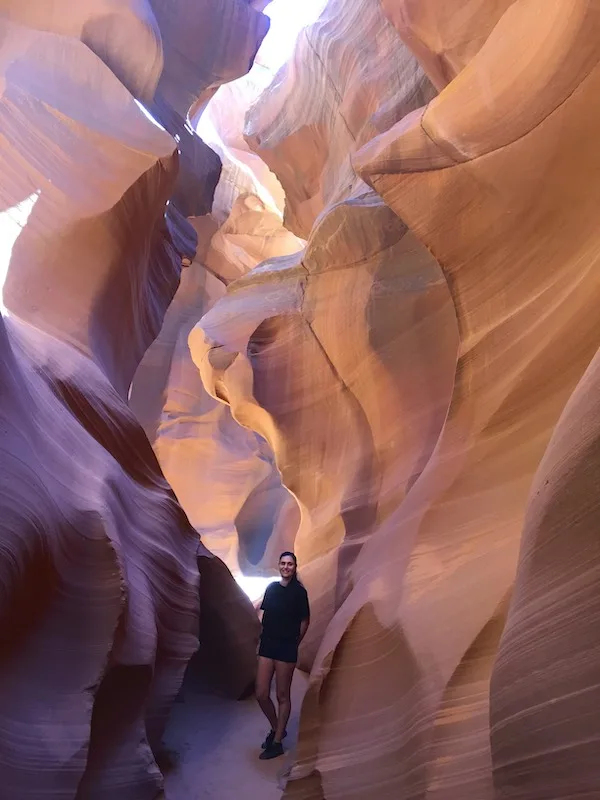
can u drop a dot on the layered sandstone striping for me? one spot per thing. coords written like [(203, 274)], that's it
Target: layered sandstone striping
[(378, 395), (205, 44), (300, 369), (99, 565), (223, 474), (409, 368), (543, 734)]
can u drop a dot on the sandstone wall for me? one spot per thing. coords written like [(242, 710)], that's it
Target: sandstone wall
[(409, 368), (99, 565)]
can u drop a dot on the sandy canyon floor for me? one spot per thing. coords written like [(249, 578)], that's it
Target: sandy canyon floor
[(216, 744)]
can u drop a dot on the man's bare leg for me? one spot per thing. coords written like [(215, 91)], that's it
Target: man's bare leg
[(284, 673), (264, 677)]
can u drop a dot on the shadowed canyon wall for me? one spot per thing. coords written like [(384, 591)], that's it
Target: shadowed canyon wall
[(364, 327), (99, 566)]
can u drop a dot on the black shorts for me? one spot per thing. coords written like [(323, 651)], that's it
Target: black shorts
[(279, 649)]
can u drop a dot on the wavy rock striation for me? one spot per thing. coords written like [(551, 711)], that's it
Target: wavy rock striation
[(408, 370), (298, 369), (544, 735), (99, 565), (230, 32), (223, 474)]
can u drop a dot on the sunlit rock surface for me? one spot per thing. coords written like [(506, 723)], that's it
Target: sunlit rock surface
[(124, 35), (408, 370), (382, 354), (223, 474), (99, 565), (303, 369)]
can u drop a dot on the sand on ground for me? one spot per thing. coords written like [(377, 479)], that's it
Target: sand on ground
[(216, 744)]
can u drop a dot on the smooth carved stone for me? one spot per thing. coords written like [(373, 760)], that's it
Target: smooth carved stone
[(342, 86), (99, 565), (444, 36), (520, 261), (95, 265), (252, 233), (410, 437), (301, 372), (183, 235), (200, 167), (205, 45), (223, 475), (122, 33), (99, 598), (229, 631), (254, 334), (221, 125), (545, 681)]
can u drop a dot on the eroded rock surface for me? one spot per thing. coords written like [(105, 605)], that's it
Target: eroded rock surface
[(99, 565), (223, 474), (396, 383), (409, 368)]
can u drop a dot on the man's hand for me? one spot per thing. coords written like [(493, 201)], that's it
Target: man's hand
[(303, 628)]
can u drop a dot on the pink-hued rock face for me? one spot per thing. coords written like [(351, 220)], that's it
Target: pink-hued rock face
[(94, 266), (408, 370), (123, 34), (99, 586), (99, 566), (444, 36), (545, 692), (205, 44), (328, 100), (365, 329), (223, 475)]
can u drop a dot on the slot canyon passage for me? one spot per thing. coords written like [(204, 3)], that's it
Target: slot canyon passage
[(319, 276)]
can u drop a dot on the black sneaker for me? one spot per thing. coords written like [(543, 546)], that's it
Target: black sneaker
[(269, 740), (274, 751)]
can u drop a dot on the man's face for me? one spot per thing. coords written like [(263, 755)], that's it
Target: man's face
[(286, 567)]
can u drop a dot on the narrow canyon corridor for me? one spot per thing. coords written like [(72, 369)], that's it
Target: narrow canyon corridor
[(299, 370), (215, 743)]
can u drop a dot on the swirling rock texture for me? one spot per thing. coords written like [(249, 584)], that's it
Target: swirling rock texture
[(409, 368), (99, 566), (544, 733), (223, 474)]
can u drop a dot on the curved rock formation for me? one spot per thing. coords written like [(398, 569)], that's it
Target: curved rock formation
[(444, 36), (99, 586), (222, 474), (398, 395), (124, 35), (409, 379), (99, 565), (329, 99), (544, 731), (287, 325), (205, 45)]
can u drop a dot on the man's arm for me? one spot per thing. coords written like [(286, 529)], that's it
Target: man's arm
[(305, 612), (303, 628), (261, 608)]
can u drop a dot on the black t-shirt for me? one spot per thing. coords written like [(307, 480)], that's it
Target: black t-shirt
[(285, 608)]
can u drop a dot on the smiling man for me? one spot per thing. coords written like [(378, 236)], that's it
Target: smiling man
[(285, 614)]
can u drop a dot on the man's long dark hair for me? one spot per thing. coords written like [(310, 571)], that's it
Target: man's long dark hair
[(295, 560)]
